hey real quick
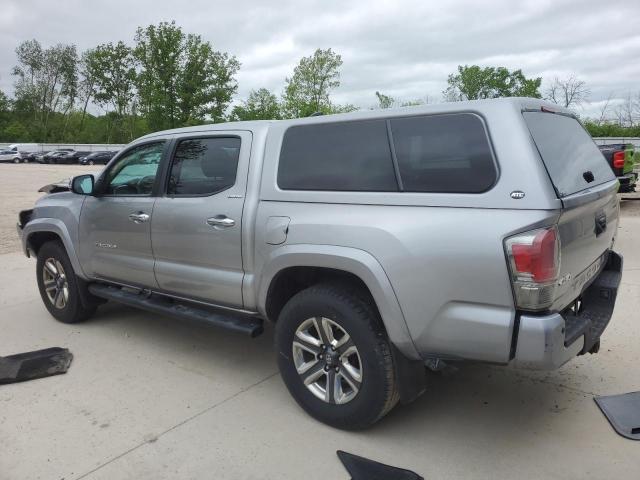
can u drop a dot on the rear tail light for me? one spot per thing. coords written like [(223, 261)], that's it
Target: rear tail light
[(618, 160), (534, 263)]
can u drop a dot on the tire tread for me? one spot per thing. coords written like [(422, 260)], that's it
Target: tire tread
[(365, 310)]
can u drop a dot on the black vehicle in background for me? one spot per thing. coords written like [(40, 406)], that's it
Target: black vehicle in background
[(39, 158), (620, 157), (69, 157), (95, 158), (51, 156), (28, 157)]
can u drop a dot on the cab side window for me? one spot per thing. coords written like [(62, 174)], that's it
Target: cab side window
[(204, 166), (135, 172)]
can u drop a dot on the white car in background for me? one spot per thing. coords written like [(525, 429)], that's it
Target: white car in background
[(7, 155)]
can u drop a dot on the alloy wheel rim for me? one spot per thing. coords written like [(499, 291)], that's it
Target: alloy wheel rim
[(55, 282), (327, 360)]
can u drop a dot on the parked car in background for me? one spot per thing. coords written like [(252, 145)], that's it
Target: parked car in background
[(378, 242), (52, 156), (27, 151), (30, 156), (620, 157), (7, 155), (40, 157), (70, 157), (97, 158)]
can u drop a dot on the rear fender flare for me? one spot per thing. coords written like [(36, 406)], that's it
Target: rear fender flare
[(355, 261)]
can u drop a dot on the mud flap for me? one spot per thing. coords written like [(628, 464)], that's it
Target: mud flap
[(361, 468), (623, 413), (411, 376), (32, 365)]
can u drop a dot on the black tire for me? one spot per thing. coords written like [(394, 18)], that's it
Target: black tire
[(16, 160), (73, 311), (355, 314)]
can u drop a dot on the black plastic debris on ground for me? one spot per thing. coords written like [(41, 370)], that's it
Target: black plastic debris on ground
[(31, 365), (623, 413), (361, 468)]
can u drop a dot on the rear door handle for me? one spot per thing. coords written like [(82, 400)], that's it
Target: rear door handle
[(221, 221), (139, 217)]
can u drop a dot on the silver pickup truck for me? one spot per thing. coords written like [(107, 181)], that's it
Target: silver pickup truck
[(377, 242)]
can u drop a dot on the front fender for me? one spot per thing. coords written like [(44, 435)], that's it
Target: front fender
[(352, 260), (57, 227)]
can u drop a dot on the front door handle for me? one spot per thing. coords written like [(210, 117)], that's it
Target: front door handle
[(139, 217), (221, 221)]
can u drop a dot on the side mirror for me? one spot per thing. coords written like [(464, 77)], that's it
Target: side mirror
[(82, 184)]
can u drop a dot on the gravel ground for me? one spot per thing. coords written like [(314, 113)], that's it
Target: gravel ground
[(630, 204)]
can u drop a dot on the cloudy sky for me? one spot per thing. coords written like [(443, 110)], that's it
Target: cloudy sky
[(403, 48)]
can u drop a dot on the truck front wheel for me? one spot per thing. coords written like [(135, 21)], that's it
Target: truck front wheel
[(335, 358), (59, 286)]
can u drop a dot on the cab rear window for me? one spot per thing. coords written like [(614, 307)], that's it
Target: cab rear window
[(572, 159)]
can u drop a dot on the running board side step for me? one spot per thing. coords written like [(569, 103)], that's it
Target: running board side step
[(160, 304)]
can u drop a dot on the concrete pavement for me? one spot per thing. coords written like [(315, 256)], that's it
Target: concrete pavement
[(152, 398)]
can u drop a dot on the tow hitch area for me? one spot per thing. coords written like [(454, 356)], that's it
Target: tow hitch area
[(590, 314), (32, 365)]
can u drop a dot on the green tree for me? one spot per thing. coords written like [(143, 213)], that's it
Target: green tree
[(412, 103), (346, 108), (5, 109), (610, 129), (385, 101), (15, 132), (261, 105), (87, 83), (182, 79), (307, 91), (112, 70), (47, 81), (475, 83)]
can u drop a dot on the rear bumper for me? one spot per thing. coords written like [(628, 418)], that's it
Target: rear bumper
[(546, 342)]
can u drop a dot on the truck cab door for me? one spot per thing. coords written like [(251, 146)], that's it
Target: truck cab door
[(196, 226), (115, 223)]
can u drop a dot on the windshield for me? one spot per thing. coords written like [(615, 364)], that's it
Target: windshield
[(572, 159)]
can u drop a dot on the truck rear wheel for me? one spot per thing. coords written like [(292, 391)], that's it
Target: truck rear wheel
[(59, 286), (335, 358)]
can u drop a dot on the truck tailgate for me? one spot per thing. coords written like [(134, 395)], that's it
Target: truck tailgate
[(587, 187), (587, 229)]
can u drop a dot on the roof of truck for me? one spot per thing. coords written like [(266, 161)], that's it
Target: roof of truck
[(522, 103)]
